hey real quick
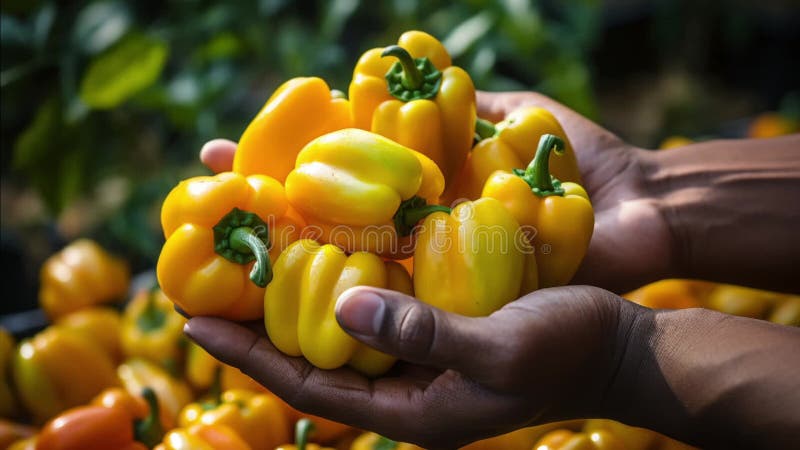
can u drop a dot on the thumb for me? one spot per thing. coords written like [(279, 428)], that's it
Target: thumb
[(413, 331)]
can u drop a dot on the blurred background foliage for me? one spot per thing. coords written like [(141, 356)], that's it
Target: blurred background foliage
[(105, 104)]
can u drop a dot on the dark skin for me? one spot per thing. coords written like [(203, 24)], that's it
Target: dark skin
[(582, 351)]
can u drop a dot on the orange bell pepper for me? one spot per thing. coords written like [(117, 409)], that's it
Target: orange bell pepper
[(173, 393)]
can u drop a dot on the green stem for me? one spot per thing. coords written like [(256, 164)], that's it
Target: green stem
[(152, 318), (411, 77), (537, 175), (302, 430), (484, 129), (244, 239), (413, 210), (149, 431)]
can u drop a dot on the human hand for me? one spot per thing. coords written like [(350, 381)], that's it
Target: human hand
[(548, 356)]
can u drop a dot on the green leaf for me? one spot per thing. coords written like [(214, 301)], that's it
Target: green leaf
[(468, 33), (122, 71), (100, 25)]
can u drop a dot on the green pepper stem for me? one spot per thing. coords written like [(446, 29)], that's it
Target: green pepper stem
[(302, 430), (537, 175), (412, 78), (152, 318), (484, 129), (413, 210), (149, 430), (243, 239)]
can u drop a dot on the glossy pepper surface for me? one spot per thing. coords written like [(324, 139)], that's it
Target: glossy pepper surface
[(570, 440), (411, 93), (510, 144), (152, 329), (374, 441), (300, 110), (469, 261), (173, 393), (8, 403), (82, 274), (221, 232), (350, 184), (100, 427), (203, 437), (58, 369), (98, 324), (299, 303), (557, 215), (257, 418)]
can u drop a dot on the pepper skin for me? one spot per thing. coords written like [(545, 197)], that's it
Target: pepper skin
[(203, 437), (303, 430), (300, 110), (218, 230), (350, 184), (470, 261), (173, 393), (558, 215), (138, 406), (100, 325), (152, 329), (200, 367), (570, 440), (58, 369), (82, 274), (666, 294), (510, 144), (299, 304), (742, 301), (8, 403), (412, 94), (257, 418), (374, 441), (100, 427)]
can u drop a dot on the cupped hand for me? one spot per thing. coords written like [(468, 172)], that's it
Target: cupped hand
[(548, 356)]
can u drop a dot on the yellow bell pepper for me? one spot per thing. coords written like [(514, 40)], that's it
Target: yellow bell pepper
[(58, 369), (203, 437), (299, 304), (82, 274), (99, 324), (152, 329), (350, 186), (742, 301), (421, 100), (200, 367), (557, 216), (511, 144), (303, 431), (374, 441), (665, 294), (257, 418), (570, 440), (787, 312), (469, 261), (219, 230), (300, 110), (173, 393), (630, 438), (8, 403)]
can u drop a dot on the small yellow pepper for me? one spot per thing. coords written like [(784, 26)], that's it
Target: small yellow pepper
[(152, 329), (509, 144), (82, 274), (8, 403), (665, 294), (257, 418), (99, 324), (374, 441), (350, 185), (570, 440), (203, 437), (558, 216), (58, 369), (300, 110), (219, 231), (303, 430), (299, 303), (421, 100), (469, 261), (173, 393)]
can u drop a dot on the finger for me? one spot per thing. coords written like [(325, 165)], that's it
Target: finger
[(217, 155), (402, 326)]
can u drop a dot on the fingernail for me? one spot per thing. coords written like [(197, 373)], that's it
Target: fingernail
[(360, 311), (187, 330)]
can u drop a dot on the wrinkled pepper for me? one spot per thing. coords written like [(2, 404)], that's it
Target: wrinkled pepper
[(101, 427), (221, 232), (303, 430), (300, 110), (557, 217), (299, 303), (510, 144), (58, 369), (99, 324), (9, 407), (82, 274), (374, 441), (203, 437), (257, 418), (173, 393), (152, 329), (470, 261), (353, 188), (412, 94)]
